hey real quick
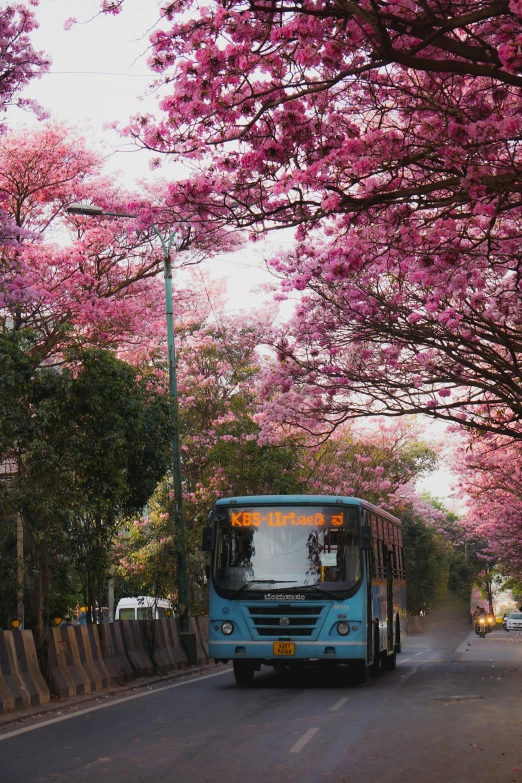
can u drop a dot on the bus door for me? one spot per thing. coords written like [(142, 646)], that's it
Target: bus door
[(370, 627), (389, 596)]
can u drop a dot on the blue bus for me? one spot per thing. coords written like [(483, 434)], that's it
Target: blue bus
[(304, 579)]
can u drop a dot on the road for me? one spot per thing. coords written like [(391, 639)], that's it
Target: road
[(451, 713)]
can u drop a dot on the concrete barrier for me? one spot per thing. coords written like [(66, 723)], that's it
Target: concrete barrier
[(114, 654), (168, 652), (414, 625), (76, 665), (136, 645), (21, 683), (201, 656), (202, 631)]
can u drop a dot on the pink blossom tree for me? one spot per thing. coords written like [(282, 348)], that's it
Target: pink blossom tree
[(73, 279), (19, 63), (388, 134), (491, 482)]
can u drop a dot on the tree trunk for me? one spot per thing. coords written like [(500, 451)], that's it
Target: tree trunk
[(42, 597), (20, 571), (39, 603), (90, 597), (489, 588)]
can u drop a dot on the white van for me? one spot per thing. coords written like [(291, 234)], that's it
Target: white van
[(142, 608)]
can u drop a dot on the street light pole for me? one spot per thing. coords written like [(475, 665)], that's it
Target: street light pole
[(179, 518), (166, 246)]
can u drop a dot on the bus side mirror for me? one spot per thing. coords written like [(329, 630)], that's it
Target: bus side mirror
[(366, 537), (207, 572), (208, 539)]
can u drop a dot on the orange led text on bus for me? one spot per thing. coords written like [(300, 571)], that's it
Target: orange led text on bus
[(280, 519)]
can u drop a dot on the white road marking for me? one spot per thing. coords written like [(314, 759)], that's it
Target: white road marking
[(339, 704), (109, 704), (416, 655), (307, 736)]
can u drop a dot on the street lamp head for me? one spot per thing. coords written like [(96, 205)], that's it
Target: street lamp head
[(84, 209)]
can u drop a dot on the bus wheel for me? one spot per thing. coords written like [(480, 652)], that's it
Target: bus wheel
[(388, 662), (244, 673), (361, 671)]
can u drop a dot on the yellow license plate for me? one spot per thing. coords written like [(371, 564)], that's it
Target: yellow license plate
[(284, 648)]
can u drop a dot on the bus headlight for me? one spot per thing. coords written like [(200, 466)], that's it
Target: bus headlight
[(343, 628), (227, 628)]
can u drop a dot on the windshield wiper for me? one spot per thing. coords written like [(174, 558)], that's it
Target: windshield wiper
[(267, 582), (321, 590)]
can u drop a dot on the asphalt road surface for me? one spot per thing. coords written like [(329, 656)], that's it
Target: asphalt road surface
[(451, 712)]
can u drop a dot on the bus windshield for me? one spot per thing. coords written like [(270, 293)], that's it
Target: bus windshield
[(269, 547)]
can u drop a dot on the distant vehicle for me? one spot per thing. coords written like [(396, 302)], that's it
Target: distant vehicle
[(142, 607), (514, 621), (481, 626)]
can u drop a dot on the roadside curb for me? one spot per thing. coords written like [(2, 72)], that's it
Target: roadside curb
[(62, 706)]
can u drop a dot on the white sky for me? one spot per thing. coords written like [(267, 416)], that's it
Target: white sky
[(99, 74)]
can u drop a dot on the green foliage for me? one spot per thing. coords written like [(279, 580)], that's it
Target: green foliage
[(16, 370), (514, 584), (8, 587), (93, 442), (117, 424), (426, 560), (465, 553), (462, 572)]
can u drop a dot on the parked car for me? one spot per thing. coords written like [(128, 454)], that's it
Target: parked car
[(514, 621)]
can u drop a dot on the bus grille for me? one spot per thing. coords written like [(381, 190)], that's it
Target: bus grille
[(299, 621)]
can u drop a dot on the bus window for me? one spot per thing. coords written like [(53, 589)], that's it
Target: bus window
[(384, 549), (127, 614), (373, 565), (375, 532), (377, 546)]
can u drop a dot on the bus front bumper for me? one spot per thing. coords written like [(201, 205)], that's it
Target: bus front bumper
[(318, 650)]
